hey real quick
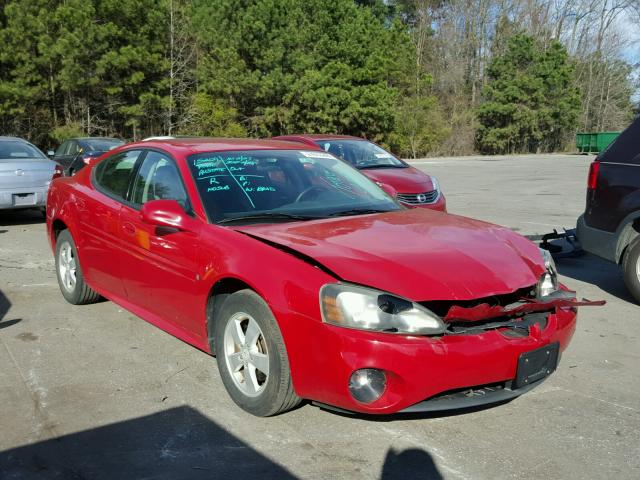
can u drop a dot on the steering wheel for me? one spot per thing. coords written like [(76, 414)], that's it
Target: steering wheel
[(308, 190)]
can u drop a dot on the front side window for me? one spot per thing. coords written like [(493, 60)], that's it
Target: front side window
[(360, 153), (113, 174), (74, 148), (16, 150), (278, 183), (158, 178)]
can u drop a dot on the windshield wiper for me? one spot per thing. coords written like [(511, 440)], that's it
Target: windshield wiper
[(267, 216), (357, 211)]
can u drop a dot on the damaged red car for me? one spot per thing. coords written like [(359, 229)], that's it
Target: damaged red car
[(308, 281)]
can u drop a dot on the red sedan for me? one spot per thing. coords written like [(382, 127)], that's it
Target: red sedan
[(414, 187), (306, 280)]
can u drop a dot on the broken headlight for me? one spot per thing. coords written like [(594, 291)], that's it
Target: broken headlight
[(548, 282), (352, 306)]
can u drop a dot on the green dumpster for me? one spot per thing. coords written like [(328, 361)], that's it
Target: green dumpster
[(594, 142)]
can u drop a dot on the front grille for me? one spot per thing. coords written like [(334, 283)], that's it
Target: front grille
[(418, 198)]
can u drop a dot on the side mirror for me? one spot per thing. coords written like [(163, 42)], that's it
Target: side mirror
[(388, 189), (50, 153), (168, 214)]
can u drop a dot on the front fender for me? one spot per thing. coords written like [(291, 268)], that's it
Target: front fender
[(288, 284)]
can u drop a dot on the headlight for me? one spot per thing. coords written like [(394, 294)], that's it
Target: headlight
[(548, 282), (363, 308), (436, 184)]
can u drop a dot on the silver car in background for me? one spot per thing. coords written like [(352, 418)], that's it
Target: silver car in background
[(25, 174)]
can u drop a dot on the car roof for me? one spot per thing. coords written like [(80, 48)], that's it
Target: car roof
[(6, 138), (321, 136), (206, 144), (96, 138)]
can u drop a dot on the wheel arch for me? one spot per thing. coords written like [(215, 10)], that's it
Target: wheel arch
[(627, 235), (57, 226), (218, 293)]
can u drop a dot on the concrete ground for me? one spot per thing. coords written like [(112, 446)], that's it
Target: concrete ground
[(94, 392)]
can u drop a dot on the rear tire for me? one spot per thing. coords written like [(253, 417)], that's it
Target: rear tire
[(252, 357), (69, 274), (631, 268)]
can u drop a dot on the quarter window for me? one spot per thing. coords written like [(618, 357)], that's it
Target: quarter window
[(114, 173)]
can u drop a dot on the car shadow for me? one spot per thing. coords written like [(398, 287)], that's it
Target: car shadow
[(179, 443), (599, 272), (20, 217)]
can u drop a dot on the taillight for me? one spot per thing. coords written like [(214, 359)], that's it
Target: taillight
[(592, 181), (58, 171)]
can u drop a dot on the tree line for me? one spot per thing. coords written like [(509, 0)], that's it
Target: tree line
[(419, 76)]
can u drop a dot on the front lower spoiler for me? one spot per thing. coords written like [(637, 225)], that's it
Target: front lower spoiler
[(471, 397)]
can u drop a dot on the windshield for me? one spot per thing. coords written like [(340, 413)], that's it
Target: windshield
[(102, 145), (15, 150), (361, 153), (282, 184)]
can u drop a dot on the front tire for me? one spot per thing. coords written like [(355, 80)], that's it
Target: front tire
[(252, 357), (631, 268), (70, 278)]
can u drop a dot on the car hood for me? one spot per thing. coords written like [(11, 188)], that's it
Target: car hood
[(404, 180), (417, 253)]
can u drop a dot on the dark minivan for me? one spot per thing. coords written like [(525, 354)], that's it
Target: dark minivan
[(610, 225)]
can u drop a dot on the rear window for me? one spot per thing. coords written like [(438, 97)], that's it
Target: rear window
[(112, 175), (625, 148), (14, 150)]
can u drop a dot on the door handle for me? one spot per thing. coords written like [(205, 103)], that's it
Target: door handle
[(129, 228)]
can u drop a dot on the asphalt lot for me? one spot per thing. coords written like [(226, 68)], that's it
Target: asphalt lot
[(93, 392)]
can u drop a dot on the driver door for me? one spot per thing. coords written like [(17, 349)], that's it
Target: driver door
[(161, 269)]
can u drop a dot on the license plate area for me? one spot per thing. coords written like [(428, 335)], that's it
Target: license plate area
[(24, 199), (536, 365)]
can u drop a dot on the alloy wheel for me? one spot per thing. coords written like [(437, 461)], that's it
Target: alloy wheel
[(246, 354), (67, 267)]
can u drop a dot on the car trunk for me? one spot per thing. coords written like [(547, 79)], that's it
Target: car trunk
[(25, 173)]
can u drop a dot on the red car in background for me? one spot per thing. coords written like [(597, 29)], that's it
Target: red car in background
[(414, 187), (306, 280)]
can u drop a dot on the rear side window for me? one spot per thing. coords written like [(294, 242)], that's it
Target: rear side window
[(112, 175), (158, 178)]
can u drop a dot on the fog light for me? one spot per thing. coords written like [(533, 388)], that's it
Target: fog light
[(367, 385)]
